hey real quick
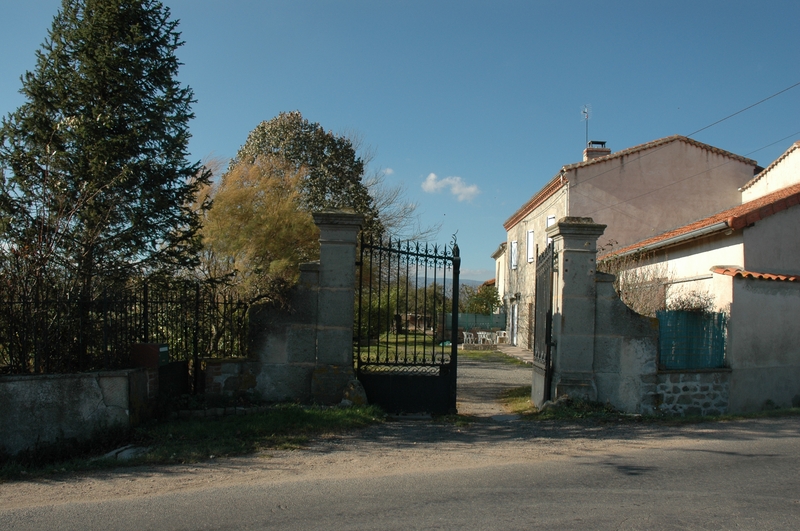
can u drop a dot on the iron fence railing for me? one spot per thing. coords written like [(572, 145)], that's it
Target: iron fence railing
[(59, 335), (402, 303)]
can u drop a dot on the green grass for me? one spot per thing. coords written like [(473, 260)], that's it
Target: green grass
[(494, 356), (404, 346), (192, 440)]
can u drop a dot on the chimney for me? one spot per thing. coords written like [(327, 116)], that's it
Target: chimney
[(594, 149)]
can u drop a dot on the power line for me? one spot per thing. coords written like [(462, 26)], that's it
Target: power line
[(746, 108), (672, 183), (659, 148)]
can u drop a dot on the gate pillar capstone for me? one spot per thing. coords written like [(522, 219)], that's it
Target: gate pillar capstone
[(336, 301), (574, 307)]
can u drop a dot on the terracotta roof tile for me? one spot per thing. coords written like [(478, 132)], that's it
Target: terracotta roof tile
[(769, 168), (736, 218), (661, 142), (540, 197), (739, 272)]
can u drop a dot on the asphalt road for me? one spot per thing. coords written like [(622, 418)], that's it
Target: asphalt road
[(428, 475)]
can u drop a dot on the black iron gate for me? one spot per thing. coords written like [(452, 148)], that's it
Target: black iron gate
[(543, 317), (405, 356)]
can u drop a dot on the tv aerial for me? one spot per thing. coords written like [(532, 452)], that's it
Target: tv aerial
[(586, 111)]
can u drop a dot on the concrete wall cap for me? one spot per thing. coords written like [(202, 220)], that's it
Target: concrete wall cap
[(310, 266), (338, 217), (575, 226)]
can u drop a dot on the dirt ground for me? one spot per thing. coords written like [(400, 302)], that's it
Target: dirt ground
[(392, 447)]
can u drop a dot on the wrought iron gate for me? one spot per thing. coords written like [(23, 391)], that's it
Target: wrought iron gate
[(405, 356), (543, 317)]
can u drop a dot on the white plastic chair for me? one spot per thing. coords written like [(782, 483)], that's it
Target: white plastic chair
[(485, 337)]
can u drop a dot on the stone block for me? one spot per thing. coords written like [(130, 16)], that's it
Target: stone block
[(335, 346), (355, 393), (282, 382), (582, 388), (329, 382), (336, 307), (301, 344)]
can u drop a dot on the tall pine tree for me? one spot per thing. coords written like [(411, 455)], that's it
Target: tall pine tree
[(95, 179)]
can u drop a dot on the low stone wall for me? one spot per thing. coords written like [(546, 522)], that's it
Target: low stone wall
[(702, 392), (230, 376), (477, 346), (625, 351), (39, 410)]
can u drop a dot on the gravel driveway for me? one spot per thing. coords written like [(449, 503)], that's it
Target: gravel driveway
[(480, 384)]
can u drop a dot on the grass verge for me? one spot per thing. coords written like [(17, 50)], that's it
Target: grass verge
[(491, 356), (283, 426), (517, 400)]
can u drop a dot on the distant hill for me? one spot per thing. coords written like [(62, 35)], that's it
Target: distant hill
[(449, 282)]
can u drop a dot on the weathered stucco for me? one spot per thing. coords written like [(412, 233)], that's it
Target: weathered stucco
[(522, 280), (51, 408), (625, 352), (655, 190), (785, 171), (771, 245), (764, 344)]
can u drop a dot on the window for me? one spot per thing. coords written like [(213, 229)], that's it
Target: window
[(530, 247), (551, 220), (514, 254)]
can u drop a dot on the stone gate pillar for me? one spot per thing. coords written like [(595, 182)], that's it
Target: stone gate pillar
[(337, 274), (574, 307)]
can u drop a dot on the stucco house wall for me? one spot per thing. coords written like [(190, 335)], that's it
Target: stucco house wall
[(764, 344), (772, 245), (638, 193), (785, 171), (500, 272), (652, 190), (748, 257), (520, 286), (687, 267)]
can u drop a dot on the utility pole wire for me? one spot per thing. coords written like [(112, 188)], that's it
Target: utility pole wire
[(746, 108)]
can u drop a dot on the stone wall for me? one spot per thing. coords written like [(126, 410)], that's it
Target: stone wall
[(229, 376), (44, 409), (693, 393), (625, 351), (305, 347)]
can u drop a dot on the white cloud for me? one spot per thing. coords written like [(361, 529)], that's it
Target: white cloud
[(388, 171), (457, 186)]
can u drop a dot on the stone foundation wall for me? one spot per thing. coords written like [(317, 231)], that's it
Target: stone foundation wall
[(230, 376), (39, 410), (693, 393)]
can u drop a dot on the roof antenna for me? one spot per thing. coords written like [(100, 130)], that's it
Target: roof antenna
[(586, 111)]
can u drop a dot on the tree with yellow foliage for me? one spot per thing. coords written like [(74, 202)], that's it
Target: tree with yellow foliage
[(257, 233)]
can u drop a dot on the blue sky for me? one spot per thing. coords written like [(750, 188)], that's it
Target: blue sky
[(473, 105)]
